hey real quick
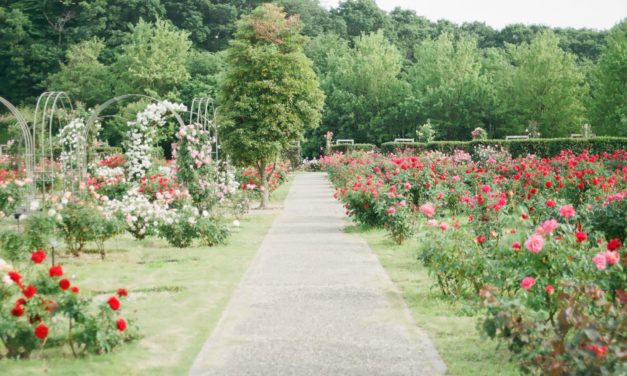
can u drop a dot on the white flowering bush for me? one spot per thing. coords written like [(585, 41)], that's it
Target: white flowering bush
[(72, 141), (142, 217), (142, 134)]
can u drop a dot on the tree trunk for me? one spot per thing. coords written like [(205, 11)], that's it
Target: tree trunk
[(265, 191)]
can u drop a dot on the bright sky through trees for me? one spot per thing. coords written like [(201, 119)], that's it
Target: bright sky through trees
[(599, 14)]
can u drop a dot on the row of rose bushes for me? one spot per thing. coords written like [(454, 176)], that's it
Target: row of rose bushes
[(537, 241)]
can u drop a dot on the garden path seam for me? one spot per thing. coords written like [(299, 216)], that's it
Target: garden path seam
[(316, 301)]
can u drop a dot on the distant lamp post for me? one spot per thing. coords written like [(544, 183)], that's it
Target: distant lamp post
[(54, 243), (18, 215)]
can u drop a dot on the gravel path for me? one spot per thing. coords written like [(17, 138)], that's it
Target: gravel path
[(316, 301)]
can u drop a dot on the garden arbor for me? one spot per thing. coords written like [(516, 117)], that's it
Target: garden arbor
[(203, 112)]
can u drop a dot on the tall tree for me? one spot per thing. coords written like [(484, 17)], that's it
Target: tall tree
[(84, 77), (154, 59), (270, 93), (364, 90), (608, 110), (448, 87), (543, 85), (362, 17)]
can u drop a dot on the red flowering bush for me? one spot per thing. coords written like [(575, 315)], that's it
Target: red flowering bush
[(539, 241), (40, 303), (249, 177)]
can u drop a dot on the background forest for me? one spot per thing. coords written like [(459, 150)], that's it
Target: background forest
[(383, 74)]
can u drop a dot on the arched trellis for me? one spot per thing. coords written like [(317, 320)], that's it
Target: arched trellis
[(48, 104), (27, 138), (95, 114), (203, 112)]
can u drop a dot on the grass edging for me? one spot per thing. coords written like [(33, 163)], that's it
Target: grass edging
[(450, 326)]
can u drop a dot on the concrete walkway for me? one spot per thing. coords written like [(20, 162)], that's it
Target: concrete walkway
[(316, 301)]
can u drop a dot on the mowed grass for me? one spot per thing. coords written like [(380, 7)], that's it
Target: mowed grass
[(450, 325), (176, 297)]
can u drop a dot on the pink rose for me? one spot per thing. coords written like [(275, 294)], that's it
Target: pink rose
[(612, 257), (547, 227), (432, 222), (427, 209), (535, 243), (391, 210), (600, 261), (527, 283), (443, 226), (567, 211)]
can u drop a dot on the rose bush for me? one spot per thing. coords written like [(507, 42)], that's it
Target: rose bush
[(41, 306)]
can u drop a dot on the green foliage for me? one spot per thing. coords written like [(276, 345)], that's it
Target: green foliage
[(541, 84), (545, 147), (448, 86), (347, 148), (364, 89), (39, 227), (270, 93), (212, 231), (85, 77), (79, 225), (608, 110), (154, 59), (14, 245)]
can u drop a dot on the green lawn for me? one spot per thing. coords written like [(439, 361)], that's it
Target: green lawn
[(452, 329), (177, 296)]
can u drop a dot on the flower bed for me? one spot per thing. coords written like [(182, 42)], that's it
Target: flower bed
[(537, 241)]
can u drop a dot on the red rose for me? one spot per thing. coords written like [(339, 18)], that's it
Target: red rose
[(75, 289), (516, 245), (548, 184), (613, 244), (550, 289), (17, 311), (38, 256), (122, 292), (20, 301), (41, 331), (480, 239), (64, 284), (121, 323), (525, 216), (581, 236), (15, 277), (50, 306), (56, 271), (114, 303), (29, 291), (550, 203)]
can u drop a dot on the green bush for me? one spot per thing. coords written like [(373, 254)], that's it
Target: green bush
[(352, 147), (542, 147), (212, 231)]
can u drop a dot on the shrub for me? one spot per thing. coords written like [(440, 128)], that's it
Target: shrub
[(542, 147), (347, 148), (212, 231)]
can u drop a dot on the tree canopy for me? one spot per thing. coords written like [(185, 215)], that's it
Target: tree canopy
[(270, 93)]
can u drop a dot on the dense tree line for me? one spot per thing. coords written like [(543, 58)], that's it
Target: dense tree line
[(383, 74)]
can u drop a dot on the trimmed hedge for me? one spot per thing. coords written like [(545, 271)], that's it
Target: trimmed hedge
[(354, 147), (542, 147)]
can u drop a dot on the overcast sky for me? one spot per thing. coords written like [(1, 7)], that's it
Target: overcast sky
[(596, 14)]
